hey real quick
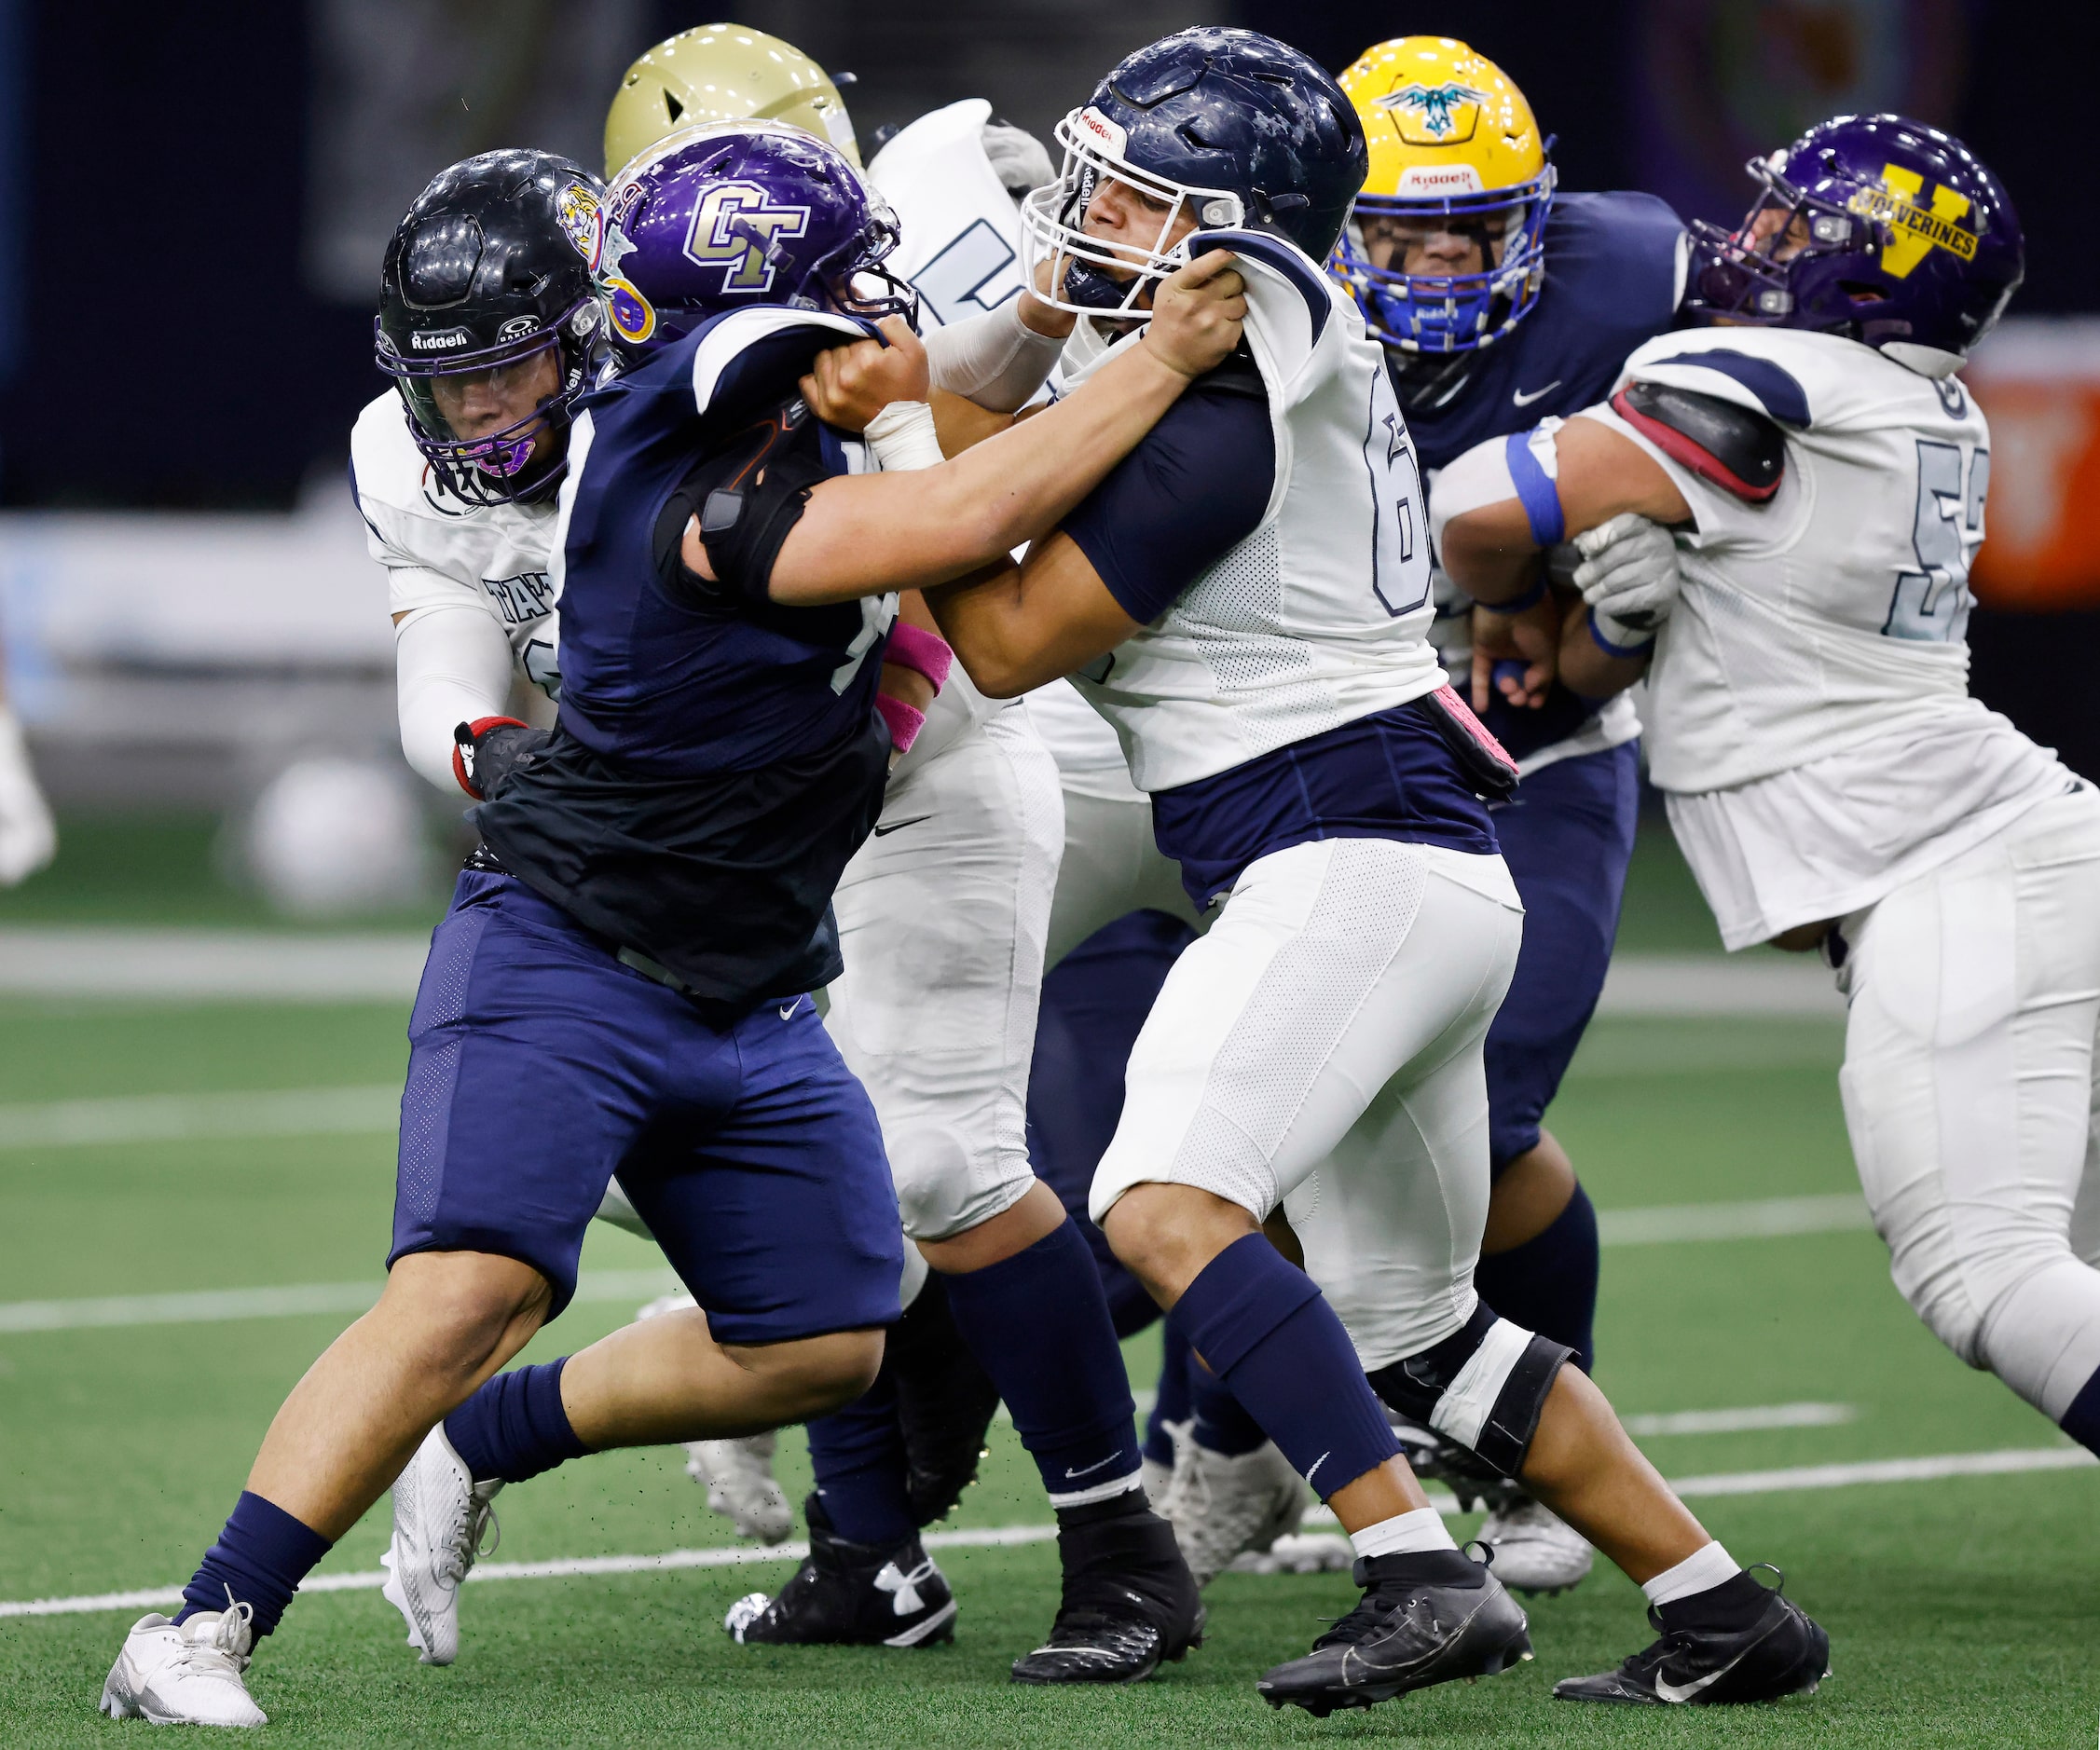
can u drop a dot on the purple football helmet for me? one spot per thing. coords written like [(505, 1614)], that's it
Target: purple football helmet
[(746, 212), (1872, 226)]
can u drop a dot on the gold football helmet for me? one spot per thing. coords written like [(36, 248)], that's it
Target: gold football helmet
[(722, 73)]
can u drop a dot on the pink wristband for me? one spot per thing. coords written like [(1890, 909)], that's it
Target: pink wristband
[(920, 650), (905, 721)]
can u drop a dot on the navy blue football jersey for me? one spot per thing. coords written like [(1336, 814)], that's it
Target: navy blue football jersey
[(717, 760), (1613, 279)]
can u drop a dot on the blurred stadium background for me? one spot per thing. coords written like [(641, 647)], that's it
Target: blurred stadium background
[(199, 1048)]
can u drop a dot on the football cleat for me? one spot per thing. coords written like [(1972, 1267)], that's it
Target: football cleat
[(945, 1402), (850, 1595), (1775, 1649), (186, 1675), (1424, 1619), (441, 1514), (1299, 1552), (1129, 1604), (1535, 1549), (1222, 1505), (738, 1478)]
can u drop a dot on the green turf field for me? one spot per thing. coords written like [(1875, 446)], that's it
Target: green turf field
[(1963, 1611)]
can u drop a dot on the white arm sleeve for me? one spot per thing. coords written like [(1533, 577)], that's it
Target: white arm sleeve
[(995, 360), (452, 665)]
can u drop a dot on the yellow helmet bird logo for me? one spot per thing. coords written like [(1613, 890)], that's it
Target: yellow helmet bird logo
[(1434, 115)]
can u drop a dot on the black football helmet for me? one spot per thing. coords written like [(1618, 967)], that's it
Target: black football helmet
[(491, 268)]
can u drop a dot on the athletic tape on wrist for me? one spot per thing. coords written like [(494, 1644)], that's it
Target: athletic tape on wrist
[(921, 652), (903, 437), (1614, 637)]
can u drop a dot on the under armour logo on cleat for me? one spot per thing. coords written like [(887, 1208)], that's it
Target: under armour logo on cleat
[(903, 1587)]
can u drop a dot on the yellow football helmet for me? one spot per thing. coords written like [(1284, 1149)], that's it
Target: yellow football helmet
[(723, 73), (1453, 144)]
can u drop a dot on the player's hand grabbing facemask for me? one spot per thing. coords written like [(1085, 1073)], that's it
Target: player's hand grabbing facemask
[(1629, 571)]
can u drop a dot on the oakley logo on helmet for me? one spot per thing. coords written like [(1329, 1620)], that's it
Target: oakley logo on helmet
[(517, 327), (734, 224), (1917, 230), (451, 340), (1434, 115)]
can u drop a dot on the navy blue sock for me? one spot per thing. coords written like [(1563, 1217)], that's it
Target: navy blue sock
[(259, 1561), (1548, 1284), (1221, 1425), (514, 1426), (1170, 1403), (1265, 1330), (2081, 1421), (1038, 1323), (858, 1454)]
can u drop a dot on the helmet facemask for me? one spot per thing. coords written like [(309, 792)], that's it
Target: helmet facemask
[(1420, 313), (497, 467), (1741, 273), (1093, 275)]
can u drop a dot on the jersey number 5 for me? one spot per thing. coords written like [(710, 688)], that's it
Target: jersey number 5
[(1932, 604)]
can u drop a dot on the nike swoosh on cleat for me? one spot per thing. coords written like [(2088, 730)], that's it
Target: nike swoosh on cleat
[(1089, 1470), (1685, 1692), (899, 826), (1522, 400)]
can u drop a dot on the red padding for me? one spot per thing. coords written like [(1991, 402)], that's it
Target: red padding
[(1682, 450), (475, 730)]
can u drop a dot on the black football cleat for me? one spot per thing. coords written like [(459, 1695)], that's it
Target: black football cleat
[(945, 1402), (850, 1595), (1424, 1619), (1130, 1602), (1724, 1650)]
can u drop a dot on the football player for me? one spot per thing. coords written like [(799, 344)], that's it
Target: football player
[(1829, 778), (620, 984), (1245, 599), (941, 916), (1501, 300)]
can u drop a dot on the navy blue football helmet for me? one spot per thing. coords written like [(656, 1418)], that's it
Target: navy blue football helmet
[(1875, 227), (1229, 128), (742, 213)]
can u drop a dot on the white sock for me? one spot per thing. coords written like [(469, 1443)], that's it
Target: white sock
[(1404, 1534), (1700, 1571)]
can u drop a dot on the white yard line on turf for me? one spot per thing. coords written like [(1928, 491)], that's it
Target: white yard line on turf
[(265, 966), (1772, 1218), (1974, 1464), (372, 1110), (215, 1305), (1743, 1421)]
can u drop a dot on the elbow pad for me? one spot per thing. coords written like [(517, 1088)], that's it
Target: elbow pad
[(1742, 452), (747, 499)]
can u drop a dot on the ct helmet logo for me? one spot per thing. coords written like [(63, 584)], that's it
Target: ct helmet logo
[(1434, 115), (737, 226)]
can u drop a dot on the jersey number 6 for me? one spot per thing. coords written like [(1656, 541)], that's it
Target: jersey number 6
[(1399, 559)]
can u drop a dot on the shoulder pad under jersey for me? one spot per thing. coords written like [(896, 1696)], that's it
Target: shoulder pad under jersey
[(1738, 450), (1290, 303)]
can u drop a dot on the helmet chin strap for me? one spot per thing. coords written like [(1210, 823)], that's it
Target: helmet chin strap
[(1096, 289)]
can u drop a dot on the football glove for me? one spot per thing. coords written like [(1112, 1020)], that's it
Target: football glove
[(1629, 571)]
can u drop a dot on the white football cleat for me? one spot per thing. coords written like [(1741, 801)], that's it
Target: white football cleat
[(185, 1675), (738, 1478), (1535, 1550), (1299, 1552), (1222, 1505), (1155, 1477), (440, 1516)]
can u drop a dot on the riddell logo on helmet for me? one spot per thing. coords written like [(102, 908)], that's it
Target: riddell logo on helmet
[(449, 341), (1441, 179), (1097, 126)]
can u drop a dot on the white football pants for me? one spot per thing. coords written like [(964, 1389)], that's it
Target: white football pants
[(1970, 1092), (942, 920), (1111, 867), (1321, 1049)]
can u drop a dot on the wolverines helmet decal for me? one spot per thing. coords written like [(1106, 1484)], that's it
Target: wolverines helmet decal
[(724, 73), (1456, 154)]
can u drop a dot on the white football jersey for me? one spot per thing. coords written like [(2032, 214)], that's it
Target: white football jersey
[(1808, 710), (439, 551), (1319, 617)]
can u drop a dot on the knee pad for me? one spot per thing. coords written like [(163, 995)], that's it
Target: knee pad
[(1483, 1386), (944, 1187)]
